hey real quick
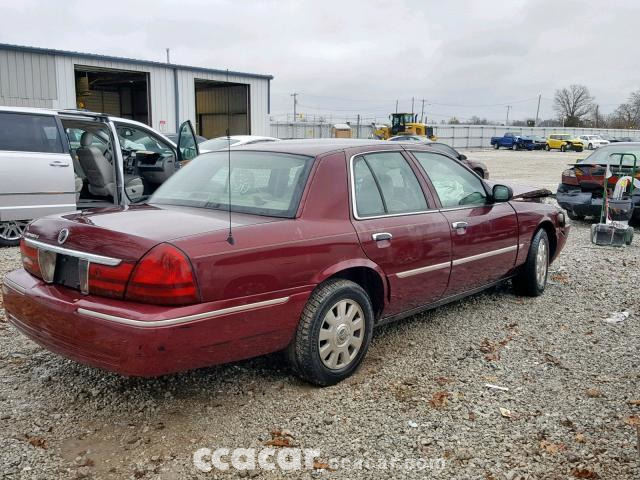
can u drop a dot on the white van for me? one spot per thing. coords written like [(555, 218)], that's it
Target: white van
[(55, 161)]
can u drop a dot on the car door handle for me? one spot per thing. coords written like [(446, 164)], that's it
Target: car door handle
[(58, 163), (379, 237), (460, 227)]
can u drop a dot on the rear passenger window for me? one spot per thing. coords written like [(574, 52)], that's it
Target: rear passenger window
[(29, 133), (385, 184)]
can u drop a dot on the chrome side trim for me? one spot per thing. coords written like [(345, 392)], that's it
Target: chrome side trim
[(418, 271), (480, 256), (14, 286), (178, 320), (93, 258), (352, 184)]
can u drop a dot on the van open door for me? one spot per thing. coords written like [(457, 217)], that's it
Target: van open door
[(187, 144)]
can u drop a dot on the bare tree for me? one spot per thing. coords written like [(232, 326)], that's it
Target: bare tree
[(573, 103)]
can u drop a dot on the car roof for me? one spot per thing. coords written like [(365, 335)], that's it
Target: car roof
[(320, 146)]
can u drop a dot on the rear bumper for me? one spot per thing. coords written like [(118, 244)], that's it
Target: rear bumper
[(145, 340), (584, 204)]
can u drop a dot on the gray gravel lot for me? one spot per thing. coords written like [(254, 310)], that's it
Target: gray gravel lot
[(572, 383)]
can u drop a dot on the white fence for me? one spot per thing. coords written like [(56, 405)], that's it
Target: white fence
[(459, 136)]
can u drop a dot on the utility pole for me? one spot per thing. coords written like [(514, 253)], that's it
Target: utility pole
[(506, 124), (597, 114), (358, 127), (396, 106), (422, 113), (412, 102), (295, 105), (168, 56), (538, 110)]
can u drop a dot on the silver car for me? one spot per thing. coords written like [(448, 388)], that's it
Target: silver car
[(61, 161)]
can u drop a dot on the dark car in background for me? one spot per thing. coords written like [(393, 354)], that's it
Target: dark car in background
[(581, 188)]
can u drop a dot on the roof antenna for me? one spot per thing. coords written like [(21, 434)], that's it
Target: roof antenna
[(230, 239)]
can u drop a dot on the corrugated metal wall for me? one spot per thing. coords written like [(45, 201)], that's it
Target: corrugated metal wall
[(213, 103), (27, 79), (48, 81)]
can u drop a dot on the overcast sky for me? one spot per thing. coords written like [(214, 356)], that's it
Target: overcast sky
[(347, 57)]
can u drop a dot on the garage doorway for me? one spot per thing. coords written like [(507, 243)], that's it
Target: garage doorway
[(219, 104), (121, 93)]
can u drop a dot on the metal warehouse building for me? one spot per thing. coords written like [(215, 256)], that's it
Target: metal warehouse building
[(160, 94)]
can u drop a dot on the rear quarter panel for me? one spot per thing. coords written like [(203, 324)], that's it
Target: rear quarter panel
[(531, 216)]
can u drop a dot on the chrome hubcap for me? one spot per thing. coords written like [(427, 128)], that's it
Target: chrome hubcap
[(341, 334), (13, 230), (542, 263)]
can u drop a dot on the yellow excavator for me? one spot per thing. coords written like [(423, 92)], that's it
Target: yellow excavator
[(403, 124)]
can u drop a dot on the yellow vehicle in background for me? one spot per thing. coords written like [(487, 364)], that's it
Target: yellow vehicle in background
[(563, 142), (403, 124)]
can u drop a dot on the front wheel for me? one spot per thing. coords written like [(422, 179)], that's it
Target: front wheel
[(532, 278), (590, 146), (514, 147), (563, 148), (334, 333), (496, 146), (11, 232), (547, 147)]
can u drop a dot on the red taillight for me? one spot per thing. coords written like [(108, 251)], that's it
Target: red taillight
[(163, 276), (569, 177), (30, 259), (109, 281)]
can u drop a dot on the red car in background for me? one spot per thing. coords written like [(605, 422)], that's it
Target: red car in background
[(323, 241)]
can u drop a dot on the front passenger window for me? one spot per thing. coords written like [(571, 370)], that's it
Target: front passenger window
[(456, 186)]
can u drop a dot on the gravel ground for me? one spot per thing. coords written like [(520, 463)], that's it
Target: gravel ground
[(537, 167), (572, 382)]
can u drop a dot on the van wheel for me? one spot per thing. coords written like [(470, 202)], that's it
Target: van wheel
[(334, 333), (532, 278), (11, 232)]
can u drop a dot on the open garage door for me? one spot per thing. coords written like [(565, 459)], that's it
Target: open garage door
[(121, 93), (219, 104)]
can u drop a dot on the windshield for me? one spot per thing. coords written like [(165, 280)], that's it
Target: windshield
[(218, 143), (262, 183), (603, 155)]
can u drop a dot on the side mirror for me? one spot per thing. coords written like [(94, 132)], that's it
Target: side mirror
[(462, 157), (501, 193)]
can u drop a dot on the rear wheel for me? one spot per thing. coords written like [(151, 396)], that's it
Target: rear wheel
[(590, 146), (496, 146), (514, 146), (334, 333), (11, 232), (563, 148), (547, 147), (532, 278)]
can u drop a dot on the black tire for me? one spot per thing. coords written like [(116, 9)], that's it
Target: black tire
[(496, 146), (579, 149), (11, 232), (563, 148), (514, 147), (479, 172), (304, 351), (590, 147), (547, 147), (574, 216), (527, 282)]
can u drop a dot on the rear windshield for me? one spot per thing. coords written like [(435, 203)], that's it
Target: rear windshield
[(611, 155), (261, 183)]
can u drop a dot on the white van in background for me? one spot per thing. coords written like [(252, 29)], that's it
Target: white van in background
[(60, 161)]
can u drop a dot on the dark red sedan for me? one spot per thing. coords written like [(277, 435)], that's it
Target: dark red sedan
[(328, 239)]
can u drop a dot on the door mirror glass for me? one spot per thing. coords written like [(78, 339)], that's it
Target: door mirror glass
[(187, 144), (502, 193)]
